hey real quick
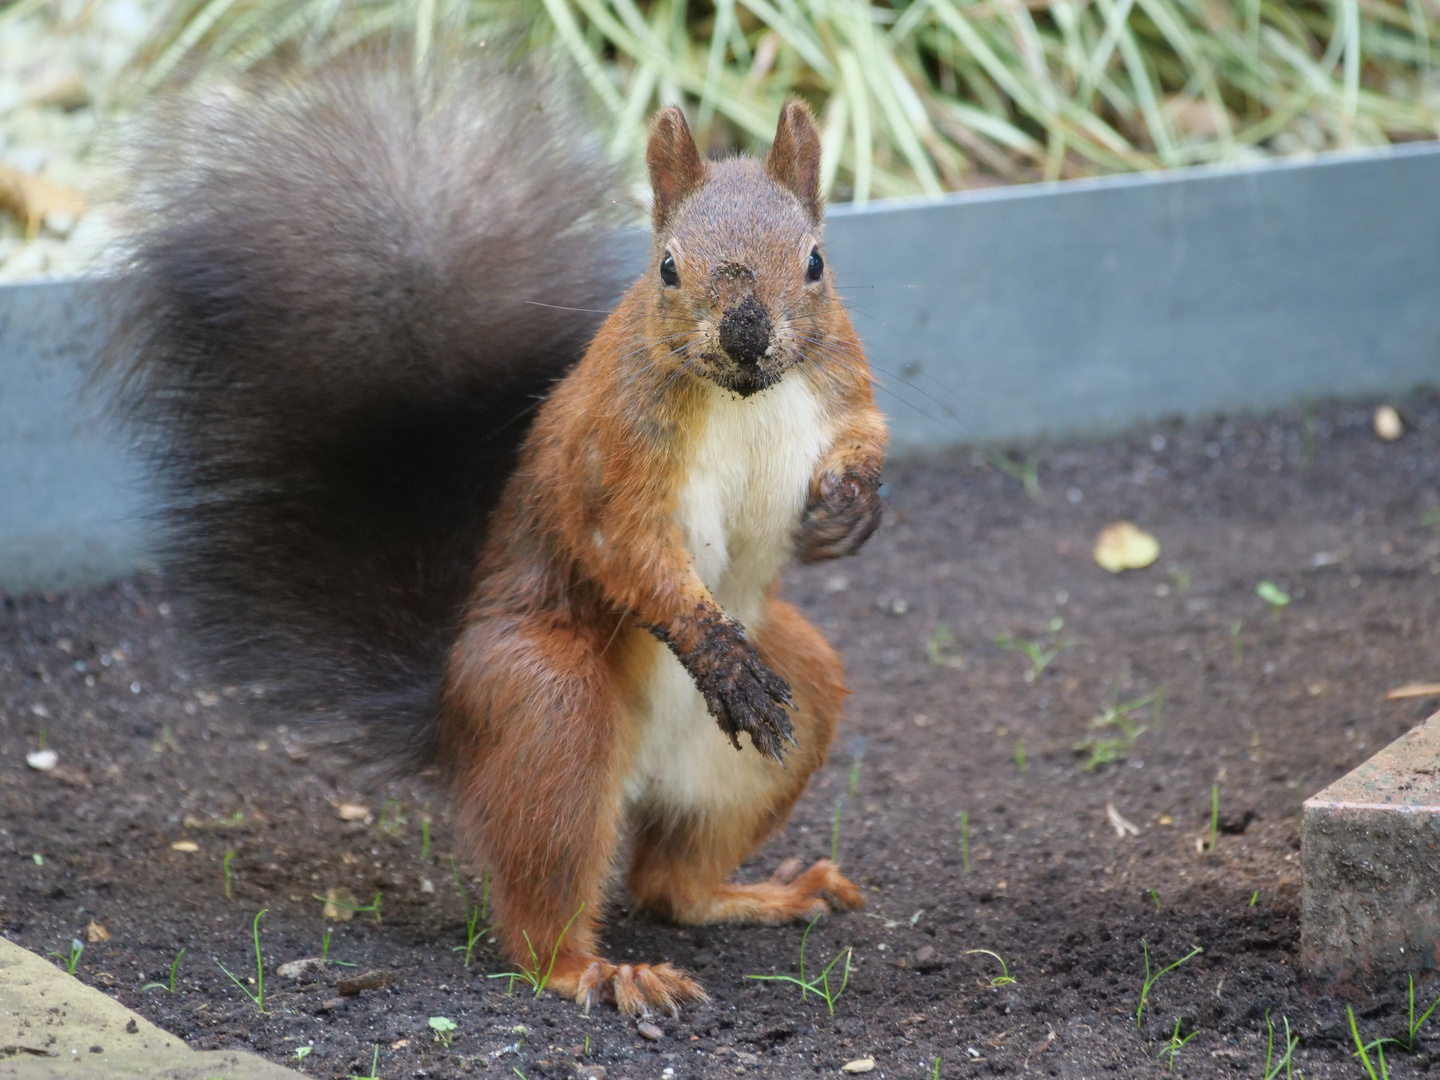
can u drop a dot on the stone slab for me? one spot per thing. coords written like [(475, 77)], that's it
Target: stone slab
[(53, 1026), (1370, 847)]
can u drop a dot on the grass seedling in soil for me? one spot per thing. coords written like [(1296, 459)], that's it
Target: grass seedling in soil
[(226, 865), (425, 839), (1020, 762), (1174, 1046), (372, 908), (965, 840), (1214, 815), (936, 1074), (325, 954), (174, 967), (1273, 595), (1412, 1025), (465, 893), (820, 985), (259, 996), (444, 1029), (301, 1053), (835, 832), (473, 934), (1121, 730), (1412, 1030), (1151, 980), (1237, 647), (1308, 425), (374, 1071), (940, 648), (392, 818), (1040, 651), (1254, 896), (1155, 896), (1028, 472), (1364, 1049), (1290, 1044), (532, 974), (73, 957), (855, 764), (996, 981)]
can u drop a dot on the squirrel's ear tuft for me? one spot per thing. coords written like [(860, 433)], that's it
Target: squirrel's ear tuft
[(794, 158), (675, 166)]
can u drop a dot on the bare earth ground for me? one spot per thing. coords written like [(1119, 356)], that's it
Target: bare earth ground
[(1265, 708)]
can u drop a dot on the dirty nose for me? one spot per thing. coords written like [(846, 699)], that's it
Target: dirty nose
[(745, 332)]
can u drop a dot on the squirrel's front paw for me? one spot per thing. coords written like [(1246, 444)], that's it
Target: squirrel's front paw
[(844, 512), (740, 690)]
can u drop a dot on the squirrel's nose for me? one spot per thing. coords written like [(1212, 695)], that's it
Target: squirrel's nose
[(745, 332)]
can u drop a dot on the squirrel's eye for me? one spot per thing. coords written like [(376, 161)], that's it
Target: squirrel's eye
[(668, 272), (815, 267)]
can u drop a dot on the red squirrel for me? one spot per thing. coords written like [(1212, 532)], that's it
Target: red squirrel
[(338, 322)]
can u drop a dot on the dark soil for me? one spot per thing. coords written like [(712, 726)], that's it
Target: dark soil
[(1265, 708)]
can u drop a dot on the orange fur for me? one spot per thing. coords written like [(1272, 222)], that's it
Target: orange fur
[(549, 706)]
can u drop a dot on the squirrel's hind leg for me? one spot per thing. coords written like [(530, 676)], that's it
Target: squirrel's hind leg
[(685, 854), (536, 747)]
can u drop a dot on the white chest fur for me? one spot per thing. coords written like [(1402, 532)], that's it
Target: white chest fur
[(746, 487)]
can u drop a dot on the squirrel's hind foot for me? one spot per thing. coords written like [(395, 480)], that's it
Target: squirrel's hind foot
[(635, 989), (790, 895)]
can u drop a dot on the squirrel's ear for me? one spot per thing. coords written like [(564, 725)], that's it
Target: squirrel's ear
[(675, 166), (794, 158)]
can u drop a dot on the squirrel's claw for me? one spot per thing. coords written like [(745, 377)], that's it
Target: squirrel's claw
[(635, 989)]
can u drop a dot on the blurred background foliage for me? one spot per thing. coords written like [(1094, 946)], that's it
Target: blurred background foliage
[(913, 96)]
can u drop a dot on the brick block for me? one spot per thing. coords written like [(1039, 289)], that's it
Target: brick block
[(1370, 847)]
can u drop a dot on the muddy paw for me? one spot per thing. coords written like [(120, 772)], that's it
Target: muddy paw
[(740, 690), (843, 513), (635, 989)]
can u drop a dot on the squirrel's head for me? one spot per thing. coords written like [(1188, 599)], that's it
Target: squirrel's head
[(740, 289)]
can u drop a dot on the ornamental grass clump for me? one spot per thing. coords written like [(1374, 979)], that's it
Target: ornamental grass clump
[(914, 97)]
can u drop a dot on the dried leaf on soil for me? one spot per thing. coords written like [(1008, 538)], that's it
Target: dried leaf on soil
[(340, 905), (1123, 827), (1413, 690), (36, 201), (350, 811), (370, 980), (1122, 546), (95, 932)]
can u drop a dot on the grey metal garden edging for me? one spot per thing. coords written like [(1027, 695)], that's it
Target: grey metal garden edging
[(1089, 306), (70, 492), (1048, 310)]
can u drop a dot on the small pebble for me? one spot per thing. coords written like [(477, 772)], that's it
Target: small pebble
[(649, 1030), (294, 969), (42, 760), (859, 1065), (1388, 425)]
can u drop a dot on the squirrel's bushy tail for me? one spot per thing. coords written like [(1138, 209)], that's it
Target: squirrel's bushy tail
[(344, 298)]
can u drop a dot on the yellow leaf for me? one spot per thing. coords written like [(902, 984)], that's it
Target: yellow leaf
[(1121, 546)]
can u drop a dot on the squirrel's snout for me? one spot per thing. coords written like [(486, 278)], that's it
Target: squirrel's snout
[(745, 332)]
